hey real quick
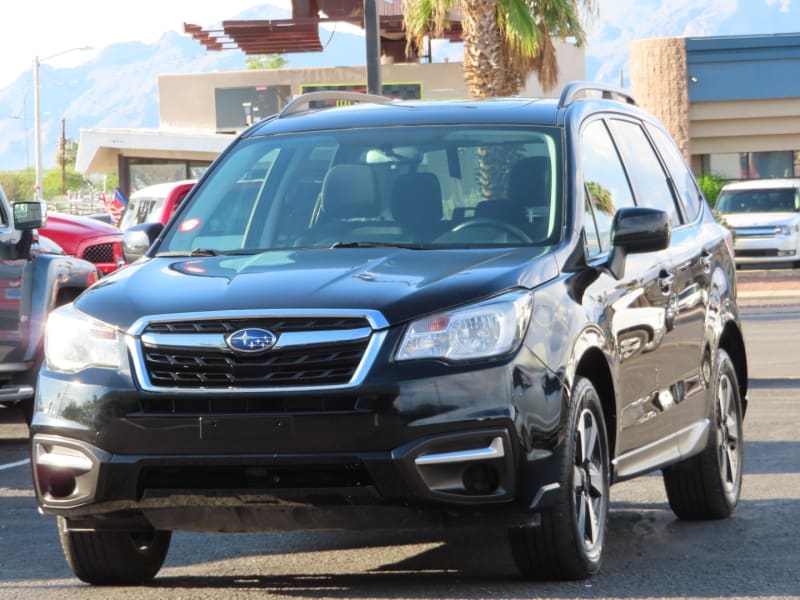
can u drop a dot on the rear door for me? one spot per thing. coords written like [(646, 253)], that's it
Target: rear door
[(683, 282)]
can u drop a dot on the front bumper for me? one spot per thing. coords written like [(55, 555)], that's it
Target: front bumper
[(422, 447), (768, 249), (435, 480)]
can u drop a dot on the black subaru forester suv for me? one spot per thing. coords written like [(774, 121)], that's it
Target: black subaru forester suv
[(371, 313)]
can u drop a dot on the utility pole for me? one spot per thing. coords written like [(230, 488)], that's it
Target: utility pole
[(37, 117), (63, 157), (372, 30), (37, 134)]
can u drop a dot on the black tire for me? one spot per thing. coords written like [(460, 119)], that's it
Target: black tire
[(27, 410), (114, 557), (568, 544), (708, 485)]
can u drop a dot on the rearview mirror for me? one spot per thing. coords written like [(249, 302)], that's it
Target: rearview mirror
[(29, 215), (137, 239)]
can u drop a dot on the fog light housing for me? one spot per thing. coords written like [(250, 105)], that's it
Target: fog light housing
[(65, 471)]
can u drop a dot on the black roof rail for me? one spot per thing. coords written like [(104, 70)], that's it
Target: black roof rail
[(584, 90), (299, 103)]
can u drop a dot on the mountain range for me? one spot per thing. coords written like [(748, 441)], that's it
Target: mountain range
[(118, 88)]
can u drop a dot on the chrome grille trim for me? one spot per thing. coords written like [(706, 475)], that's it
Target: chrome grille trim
[(769, 232), (135, 343), (213, 341), (375, 319)]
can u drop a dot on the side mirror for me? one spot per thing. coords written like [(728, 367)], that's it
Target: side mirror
[(29, 215), (137, 239), (637, 230)]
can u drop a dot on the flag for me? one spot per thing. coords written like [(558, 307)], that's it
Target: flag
[(114, 206)]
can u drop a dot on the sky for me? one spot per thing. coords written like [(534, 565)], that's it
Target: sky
[(47, 27), (54, 26)]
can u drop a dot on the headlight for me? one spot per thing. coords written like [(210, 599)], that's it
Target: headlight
[(491, 328), (74, 341), (784, 230)]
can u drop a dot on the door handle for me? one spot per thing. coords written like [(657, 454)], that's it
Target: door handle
[(706, 258), (665, 282)]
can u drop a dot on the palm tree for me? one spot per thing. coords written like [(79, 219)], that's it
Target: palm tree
[(504, 40)]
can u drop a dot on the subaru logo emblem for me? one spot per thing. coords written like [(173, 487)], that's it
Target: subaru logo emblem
[(251, 340)]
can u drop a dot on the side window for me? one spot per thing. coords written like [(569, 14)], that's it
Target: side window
[(648, 176), (605, 182), (590, 227), (3, 219), (688, 191)]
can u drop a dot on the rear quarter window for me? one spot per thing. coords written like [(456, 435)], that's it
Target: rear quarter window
[(689, 193)]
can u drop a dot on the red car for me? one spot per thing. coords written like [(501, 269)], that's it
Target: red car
[(86, 238)]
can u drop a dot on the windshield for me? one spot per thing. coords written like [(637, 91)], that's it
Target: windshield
[(758, 201), (416, 187)]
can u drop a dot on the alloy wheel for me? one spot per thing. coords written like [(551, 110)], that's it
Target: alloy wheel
[(590, 487), (728, 445)]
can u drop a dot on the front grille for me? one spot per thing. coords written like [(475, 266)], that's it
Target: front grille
[(758, 253), (188, 366), (757, 232), (101, 253), (277, 325), (318, 365)]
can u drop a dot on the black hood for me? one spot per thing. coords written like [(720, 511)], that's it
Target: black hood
[(401, 284)]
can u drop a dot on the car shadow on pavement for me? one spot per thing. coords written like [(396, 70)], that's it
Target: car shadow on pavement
[(770, 383), (650, 553)]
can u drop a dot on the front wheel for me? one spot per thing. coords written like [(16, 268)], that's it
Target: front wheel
[(114, 557), (707, 486), (568, 544)]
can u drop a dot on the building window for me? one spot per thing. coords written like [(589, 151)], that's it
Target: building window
[(137, 173), (750, 165)]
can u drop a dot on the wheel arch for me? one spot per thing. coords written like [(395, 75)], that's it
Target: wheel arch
[(594, 367), (732, 341)]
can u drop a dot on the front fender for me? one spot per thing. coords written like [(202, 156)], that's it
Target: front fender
[(723, 324), (50, 280)]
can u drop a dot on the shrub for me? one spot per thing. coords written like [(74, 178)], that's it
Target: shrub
[(711, 186)]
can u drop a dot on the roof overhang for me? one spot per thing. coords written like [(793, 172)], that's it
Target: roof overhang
[(99, 149), (301, 32)]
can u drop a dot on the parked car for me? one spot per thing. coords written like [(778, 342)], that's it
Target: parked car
[(154, 203), (86, 238), (765, 217), (34, 279), (401, 313)]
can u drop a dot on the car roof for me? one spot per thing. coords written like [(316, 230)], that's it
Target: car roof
[(356, 110), (161, 189), (492, 111), (763, 184)]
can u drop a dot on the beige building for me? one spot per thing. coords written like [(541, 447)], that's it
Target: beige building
[(199, 113), (732, 103)]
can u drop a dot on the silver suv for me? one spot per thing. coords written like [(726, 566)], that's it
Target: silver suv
[(765, 216)]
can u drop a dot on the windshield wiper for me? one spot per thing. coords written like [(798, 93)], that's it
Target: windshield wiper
[(194, 252), (377, 245)]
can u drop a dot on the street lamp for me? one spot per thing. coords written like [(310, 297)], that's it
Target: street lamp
[(37, 118)]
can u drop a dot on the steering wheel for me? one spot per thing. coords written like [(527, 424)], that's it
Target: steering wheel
[(497, 224)]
